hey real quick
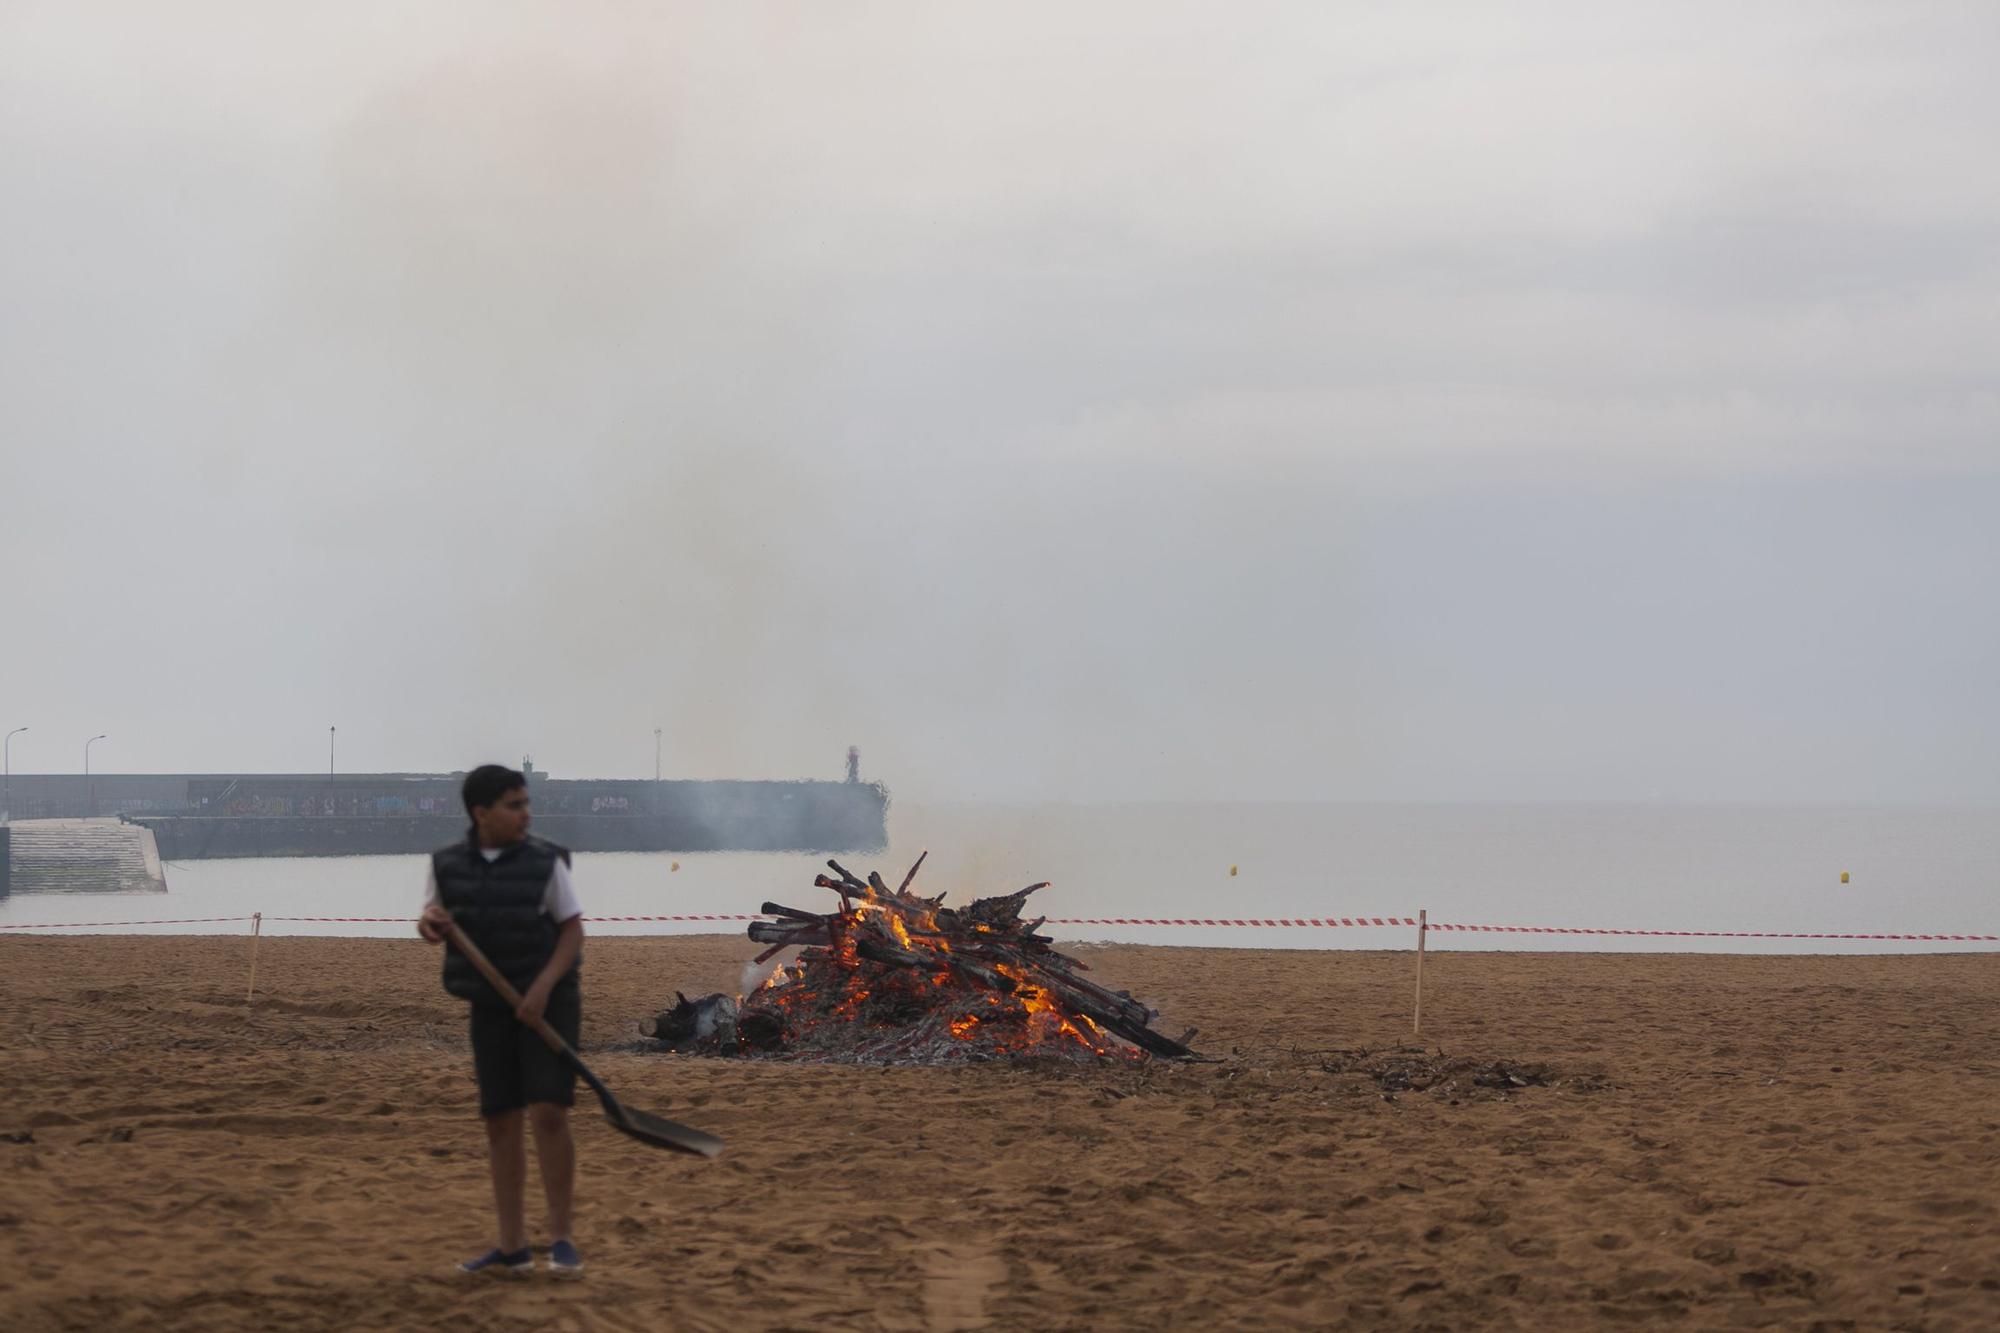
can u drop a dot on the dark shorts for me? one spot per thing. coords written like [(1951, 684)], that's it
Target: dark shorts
[(513, 1065)]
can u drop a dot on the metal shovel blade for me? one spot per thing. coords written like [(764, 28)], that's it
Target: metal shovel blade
[(656, 1130), (661, 1132)]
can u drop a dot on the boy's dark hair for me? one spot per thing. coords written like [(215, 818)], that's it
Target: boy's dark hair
[(486, 784)]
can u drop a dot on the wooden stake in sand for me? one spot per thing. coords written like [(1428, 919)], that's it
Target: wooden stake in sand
[(1423, 926), (256, 930)]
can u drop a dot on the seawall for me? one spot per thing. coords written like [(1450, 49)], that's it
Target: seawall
[(647, 817)]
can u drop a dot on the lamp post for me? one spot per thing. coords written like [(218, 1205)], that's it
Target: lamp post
[(7, 755), (89, 781), (656, 770), (329, 754)]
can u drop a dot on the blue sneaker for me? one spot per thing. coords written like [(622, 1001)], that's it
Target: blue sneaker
[(564, 1261), (497, 1261)]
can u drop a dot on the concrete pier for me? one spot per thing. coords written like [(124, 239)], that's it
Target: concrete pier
[(196, 816)]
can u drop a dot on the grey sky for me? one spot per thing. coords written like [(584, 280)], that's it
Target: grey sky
[(1102, 401)]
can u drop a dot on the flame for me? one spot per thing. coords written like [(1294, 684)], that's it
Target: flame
[(1045, 1015)]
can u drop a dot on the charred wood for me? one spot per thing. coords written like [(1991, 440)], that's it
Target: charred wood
[(858, 886)]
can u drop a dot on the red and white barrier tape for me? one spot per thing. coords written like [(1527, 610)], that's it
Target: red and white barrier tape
[(1232, 921), (1309, 922), (66, 925), (697, 916), (1696, 934), (352, 920), (411, 920)]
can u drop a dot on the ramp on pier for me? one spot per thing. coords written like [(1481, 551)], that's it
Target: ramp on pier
[(81, 856)]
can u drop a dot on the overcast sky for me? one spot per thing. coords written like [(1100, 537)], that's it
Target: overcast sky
[(1082, 401)]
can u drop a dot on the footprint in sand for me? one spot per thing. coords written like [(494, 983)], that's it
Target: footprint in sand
[(957, 1279)]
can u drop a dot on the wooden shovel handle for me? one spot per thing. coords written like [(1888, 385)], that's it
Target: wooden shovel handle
[(499, 983)]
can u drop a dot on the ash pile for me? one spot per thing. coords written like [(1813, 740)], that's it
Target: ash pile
[(895, 978)]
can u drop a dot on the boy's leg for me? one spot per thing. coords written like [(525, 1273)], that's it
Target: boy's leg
[(550, 1088), (549, 1083), (507, 1155), (496, 1060), (555, 1150)]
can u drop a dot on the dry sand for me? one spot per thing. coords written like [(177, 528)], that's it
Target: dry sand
[(1726, 1142)]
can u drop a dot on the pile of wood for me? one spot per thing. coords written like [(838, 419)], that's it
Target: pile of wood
[(892, 976)]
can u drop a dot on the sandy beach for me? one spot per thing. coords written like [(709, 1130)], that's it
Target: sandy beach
[(1717, 1141)]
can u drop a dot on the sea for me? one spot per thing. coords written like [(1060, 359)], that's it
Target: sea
[(1908, 870)]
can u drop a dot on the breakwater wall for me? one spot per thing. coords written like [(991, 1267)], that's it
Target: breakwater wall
[(678, 816)]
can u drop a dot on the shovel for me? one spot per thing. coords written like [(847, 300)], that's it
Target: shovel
[(641, 1125)]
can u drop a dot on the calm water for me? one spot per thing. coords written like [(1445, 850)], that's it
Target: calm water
[(1914, 870)]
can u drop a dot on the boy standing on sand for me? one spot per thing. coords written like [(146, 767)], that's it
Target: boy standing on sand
[(512, 895)]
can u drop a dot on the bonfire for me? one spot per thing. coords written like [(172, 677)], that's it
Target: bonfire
[(892, 977)]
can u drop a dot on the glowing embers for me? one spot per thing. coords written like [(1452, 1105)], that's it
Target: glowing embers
[(891, 976)]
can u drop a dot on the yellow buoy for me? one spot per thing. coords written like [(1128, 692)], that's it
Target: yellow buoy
[(675, 866), (1232, 870), (1843, 877)]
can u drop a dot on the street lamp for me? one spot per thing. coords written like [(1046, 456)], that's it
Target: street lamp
[(7, 754), (86, 770), (329, 754), (656, 770)]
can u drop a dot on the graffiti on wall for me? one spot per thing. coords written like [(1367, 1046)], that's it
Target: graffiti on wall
[(310, 806)]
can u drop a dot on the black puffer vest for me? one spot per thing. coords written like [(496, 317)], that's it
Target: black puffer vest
[(499, 904)]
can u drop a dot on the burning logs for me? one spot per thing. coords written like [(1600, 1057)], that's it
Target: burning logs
[(892, 976)]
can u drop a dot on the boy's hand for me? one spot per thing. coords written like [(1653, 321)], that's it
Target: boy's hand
[(533, 1003), (432, 923)]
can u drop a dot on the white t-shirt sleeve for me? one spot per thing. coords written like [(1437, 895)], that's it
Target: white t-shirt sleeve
[(431, 895), (559, 900)]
